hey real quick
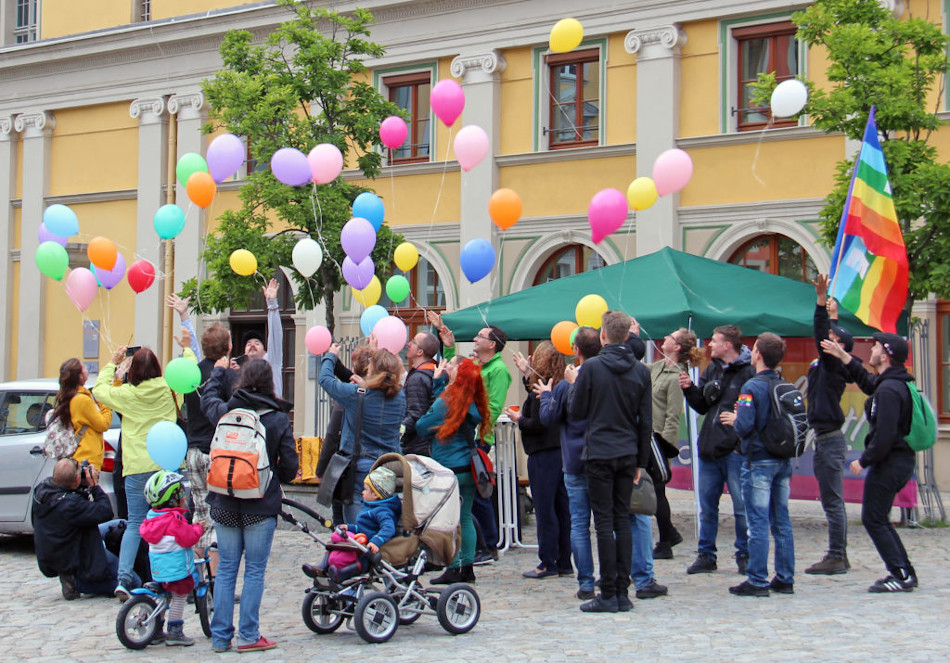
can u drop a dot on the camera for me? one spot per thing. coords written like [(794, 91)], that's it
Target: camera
[(132, 349), (84, 468)]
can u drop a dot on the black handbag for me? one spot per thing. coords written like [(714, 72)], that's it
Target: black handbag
[(643, 497), (658, 466), (482, 470), (340, 476)]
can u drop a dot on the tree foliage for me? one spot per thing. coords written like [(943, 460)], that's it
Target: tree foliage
[(302, 86), (898, 66)]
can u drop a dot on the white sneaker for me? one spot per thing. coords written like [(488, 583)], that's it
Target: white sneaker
[(121, 593)]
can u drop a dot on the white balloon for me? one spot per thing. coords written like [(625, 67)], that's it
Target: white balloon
[(788, 98), (307, 256)]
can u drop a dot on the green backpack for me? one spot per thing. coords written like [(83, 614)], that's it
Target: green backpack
[(923, 422)]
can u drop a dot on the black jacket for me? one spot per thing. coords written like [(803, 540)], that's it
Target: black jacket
[(66, 531), (715, 439), (535, 436), (418, 390), (200, 430), (281, 449), (827, 378), (613, 393), (888, 412)]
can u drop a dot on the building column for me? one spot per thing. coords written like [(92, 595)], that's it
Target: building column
[(481, 80), (658, 103), (36, 129), (153, 151), (188, 109), (8, 138)]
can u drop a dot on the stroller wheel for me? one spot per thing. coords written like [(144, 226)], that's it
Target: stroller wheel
[(412, 610), (318, 613), (458, 608), (376, 618)]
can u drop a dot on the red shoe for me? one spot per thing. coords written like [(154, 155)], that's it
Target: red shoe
[(262, 644)]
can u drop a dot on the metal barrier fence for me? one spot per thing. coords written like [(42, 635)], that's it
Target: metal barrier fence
[(322, 402)]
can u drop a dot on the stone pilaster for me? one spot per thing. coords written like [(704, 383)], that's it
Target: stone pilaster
[(8, 139), (190, 115)]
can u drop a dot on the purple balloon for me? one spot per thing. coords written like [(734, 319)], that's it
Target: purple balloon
[(360, 274), (225, 155), (290, 166), (111, 278), (47, 236), (358, 238)]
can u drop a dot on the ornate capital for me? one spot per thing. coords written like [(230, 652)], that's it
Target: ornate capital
[(487, 63), (669, 38), (186, 106), (6, 127), (34, 124), (147, 111)]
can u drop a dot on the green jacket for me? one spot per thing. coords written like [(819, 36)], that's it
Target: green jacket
[(497, 379), (141, 407), (667, 399)]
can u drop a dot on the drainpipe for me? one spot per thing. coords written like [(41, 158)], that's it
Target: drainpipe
[(168, 268)]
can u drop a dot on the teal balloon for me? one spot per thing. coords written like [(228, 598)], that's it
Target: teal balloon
[(60, 221), (166, 445), (370, 317), (183, 375), (368, 206), (397, 288), (52, 259), (169, 221)]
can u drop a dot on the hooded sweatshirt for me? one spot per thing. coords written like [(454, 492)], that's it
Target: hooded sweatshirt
[(170, 538), (715, 439), (827, 378), (554, 413), (889, 413)]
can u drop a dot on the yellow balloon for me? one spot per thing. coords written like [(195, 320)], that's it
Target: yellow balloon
[(566, 35), (406, 256), (370, 294), (641, 193), (589, 311), (243, 262)]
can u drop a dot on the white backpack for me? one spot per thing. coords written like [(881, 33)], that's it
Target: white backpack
[(240, 466), (61, 441)]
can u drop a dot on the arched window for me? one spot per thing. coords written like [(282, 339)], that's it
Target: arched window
[(776, 254), (568, 261)]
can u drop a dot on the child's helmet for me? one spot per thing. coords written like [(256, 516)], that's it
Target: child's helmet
[(164, 488)]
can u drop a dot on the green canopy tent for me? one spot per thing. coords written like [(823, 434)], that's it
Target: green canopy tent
[(663, 291)]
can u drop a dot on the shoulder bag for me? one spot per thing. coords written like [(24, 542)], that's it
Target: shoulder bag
[(339, 478), (482, 469)]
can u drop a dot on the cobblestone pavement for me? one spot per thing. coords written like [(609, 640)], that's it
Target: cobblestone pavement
[(829, 618)]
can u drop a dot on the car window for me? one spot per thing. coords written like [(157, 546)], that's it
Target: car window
[(24, 411)]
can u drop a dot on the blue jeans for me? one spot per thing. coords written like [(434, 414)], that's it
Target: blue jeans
[(253, 543), (351, 511), (138, 507), (579, 504), (551, 509), (642, 568), (765, 485), (713, 475)]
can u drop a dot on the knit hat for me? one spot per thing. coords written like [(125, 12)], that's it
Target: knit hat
[(382, 481), (894, 345), (847, 340), (253, 334)]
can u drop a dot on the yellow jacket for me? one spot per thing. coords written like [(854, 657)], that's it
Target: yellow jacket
[(83, 411)]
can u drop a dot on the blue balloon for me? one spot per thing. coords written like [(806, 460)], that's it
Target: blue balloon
[(370, 317), (477, 259), (368, 206), (60, 221), (166, 444), (169, 221)]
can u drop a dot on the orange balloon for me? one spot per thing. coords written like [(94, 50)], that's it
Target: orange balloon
[(504, 208), (102, 253), (201, 189), (561, 336)]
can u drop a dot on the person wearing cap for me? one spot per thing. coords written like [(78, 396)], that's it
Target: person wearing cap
[(888, 458), (827, 378), (273, 352)]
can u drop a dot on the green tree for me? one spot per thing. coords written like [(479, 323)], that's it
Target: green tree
[(896, 65), (297, 89)]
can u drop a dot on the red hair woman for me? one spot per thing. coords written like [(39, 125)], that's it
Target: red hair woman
[(458, 414)]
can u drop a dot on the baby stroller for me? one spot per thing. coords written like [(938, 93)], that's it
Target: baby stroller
[(390, 591)]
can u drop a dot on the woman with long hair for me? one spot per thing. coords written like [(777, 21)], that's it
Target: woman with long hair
[(77, 409), (678, 350), (458, 414), (134, 387), (384, 406), (542, 444), (245, 527)]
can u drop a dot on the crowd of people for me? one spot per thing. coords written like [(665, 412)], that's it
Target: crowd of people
[(591, 428)]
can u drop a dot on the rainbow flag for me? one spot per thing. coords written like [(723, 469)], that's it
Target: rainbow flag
[(869, 270)]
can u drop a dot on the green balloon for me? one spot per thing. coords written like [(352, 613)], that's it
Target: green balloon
[(188, 165), (397, 288), (183, 375), (574, 333), (52, 260)]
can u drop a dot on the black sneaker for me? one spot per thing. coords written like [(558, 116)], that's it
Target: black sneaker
[(663, 550), (828, 566), (651, 591), (891, 584), (68, 585), (748, 589), (585, 594), (600, 604), (624, 604), (742, 563), (703, 564), (483, 558), (677, 538), (780, 587)]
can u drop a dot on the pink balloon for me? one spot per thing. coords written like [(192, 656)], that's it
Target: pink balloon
[(606, 213), (81, 287), (393, 132), (326, 162), (46, 236), (391, 334), (471, 146), (447, 100), (672, 171), (318, 339)]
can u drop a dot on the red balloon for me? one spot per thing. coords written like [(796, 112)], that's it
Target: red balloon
[(140, 275)]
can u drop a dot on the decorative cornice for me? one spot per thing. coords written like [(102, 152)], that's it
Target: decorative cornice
[(186, 103), (670, 37), (35, 123), (147, 109), (489, 63), (754, 137)]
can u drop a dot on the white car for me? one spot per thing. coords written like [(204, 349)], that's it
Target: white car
[(23, 405)]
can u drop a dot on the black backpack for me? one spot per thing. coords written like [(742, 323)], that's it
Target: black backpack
[(787, 428)]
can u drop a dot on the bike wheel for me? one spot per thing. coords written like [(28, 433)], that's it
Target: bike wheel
[(376, 617), (132, 625), (318, 613), (204, 606), (458, 608)]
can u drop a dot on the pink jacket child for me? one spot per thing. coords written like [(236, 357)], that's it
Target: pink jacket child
[(340, 558), (170, 538)]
